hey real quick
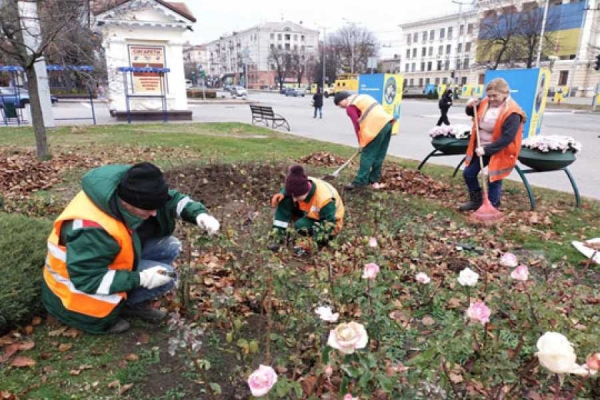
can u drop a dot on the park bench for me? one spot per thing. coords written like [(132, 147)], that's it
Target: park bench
[(265, 114)]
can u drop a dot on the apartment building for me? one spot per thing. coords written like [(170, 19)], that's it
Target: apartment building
[(249, 51), (454, 48)]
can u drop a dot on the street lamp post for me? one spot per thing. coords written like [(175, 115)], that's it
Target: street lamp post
[(542, 31), (351, 43), (324, 49), (457, 62)]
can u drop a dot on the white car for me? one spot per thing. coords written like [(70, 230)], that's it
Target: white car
[(238, 91)]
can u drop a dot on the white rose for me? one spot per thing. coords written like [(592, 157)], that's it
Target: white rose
[(326, 314), (556, 354), (468, 277), (348, 337)]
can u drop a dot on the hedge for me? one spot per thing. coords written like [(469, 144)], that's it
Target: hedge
[(23, 249)]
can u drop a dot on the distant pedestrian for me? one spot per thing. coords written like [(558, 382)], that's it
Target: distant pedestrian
[(445, 103), (318, 103), (100, 91)]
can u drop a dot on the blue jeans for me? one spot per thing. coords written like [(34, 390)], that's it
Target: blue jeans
[(159, 252), (470, 174), (320, 112)]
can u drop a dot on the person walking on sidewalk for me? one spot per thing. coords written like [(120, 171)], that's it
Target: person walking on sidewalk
[(501, 123), (318, 103), (445, 103), (314, 204), (111, 251), (373, 128)]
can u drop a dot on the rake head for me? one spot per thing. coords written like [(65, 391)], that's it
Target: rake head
[(487, 214)]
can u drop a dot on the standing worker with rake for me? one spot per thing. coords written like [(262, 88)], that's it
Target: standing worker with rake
[(373, 127), (498, 131)]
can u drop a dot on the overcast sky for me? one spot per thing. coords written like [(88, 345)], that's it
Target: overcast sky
[(382, 17)]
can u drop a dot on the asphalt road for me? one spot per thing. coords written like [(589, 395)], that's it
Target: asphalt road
[(417, 117)]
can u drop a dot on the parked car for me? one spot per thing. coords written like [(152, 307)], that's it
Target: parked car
[(228, 88), (9, 95), (295, 92), (188, 84), (238, 91), (284, 90)]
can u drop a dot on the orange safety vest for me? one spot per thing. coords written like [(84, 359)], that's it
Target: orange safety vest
[(372, 117), (323, 195), (56, 275), (502, 163)]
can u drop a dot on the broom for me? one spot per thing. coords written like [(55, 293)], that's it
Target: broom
[(487, 214)]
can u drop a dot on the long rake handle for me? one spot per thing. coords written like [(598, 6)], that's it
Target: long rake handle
[(484, 177), (344, 165)]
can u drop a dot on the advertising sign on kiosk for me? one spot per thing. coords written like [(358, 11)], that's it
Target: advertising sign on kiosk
[(387, 90), (529, 88)]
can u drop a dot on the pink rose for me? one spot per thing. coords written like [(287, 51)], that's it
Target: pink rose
[(372, 242), (262, 380), (349, 396), (423, 278), (521, 273), (348, 337), (593, 362), (479, 312), (509, 260), (371, 270)]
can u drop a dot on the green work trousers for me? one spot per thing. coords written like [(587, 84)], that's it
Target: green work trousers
[(372, 156)]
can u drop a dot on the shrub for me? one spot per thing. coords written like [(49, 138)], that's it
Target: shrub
[(23, 246)]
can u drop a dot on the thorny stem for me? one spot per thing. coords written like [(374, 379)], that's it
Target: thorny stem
[(557, 388), (530, 305), (268, 305), (369, 297)]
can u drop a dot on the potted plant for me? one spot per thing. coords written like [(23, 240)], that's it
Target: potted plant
[(548, 153), (452, 139)]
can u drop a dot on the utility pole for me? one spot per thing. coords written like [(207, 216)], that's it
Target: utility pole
[(542, 31), (460, 13), (578, 55), (324, 70)]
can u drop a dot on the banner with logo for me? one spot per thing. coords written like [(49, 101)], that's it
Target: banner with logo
[(387, 90), (146, 56), (529, 88)]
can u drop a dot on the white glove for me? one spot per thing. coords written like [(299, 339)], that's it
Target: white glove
[(209, 223), (480, 151), (152, 278), (473, 101)]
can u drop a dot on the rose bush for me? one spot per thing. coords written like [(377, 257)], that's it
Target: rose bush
[(348, 337), (262, 380)]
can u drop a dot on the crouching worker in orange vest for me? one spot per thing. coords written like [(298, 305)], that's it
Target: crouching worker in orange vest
[(315, 205), (111, 251)]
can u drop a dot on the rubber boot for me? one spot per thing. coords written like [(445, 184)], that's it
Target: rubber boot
[(143, 311), (119, 326), (475, 200)]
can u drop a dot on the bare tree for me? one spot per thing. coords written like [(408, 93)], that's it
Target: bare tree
[(497, 36), (282, 60), (530, 27), (23, 43), (353, 45)]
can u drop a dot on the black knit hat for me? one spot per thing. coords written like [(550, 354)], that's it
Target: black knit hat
[(297, 183), (339, 96), (143, 186)]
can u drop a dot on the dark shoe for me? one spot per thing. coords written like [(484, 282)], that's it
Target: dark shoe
[(275, 246), (352, 186), (475, 200), (144, 312), (119, 327)]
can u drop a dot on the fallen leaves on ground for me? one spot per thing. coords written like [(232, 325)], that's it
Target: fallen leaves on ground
[(322, 159)]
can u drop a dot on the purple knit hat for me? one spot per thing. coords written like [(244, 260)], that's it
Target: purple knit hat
[(297, 183)]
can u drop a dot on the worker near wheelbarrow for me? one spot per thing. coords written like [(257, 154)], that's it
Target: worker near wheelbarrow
[(501, 133), (110, 252), (314, 204), (373, 128)]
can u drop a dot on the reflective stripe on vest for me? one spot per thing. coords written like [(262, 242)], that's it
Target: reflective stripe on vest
[(322, 196), (56, 275), (373, 117)]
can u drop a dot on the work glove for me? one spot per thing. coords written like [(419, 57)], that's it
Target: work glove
[(276, 199), (154, 277), (209, 223), (480, 151), (472, 102)]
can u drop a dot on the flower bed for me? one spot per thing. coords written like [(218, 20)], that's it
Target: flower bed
[(459, 131), (549, 153), (552, 143)]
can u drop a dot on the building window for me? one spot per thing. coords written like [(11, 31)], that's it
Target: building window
[(414, 53), (279, 36), (470, 29), (407, 67), (459, 48), (461, 30), (437, 81), (288, 36), (466, 63), (413, 67), (295, 37), (439, 65), (423, 51), (423, 66), (429, 66), (272, 36), (295, 47), (463, 80), (448, 48), (442, 33), (408, 39), (420, 82), (412, 82), (468, 47), (432, 34), (563, 78), (440, 50), (458, 64), (431, 51), (415, 37), (427, 80), (450, 33), (407, 53), (279, 46), (302, 38), (272, 46), (424, 36), (444, 80), (287, 46), (446, 65)]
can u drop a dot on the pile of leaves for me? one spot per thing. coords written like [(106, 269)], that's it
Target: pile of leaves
[(412, 182), (322, 159)]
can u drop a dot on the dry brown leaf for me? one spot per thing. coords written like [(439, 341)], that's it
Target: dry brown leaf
[(5, 395), (6, 340), (26, 346), (65, 347), (113, 384), (9, 352), (72, 333), (308, 384), (428, 320), (144, 338), (57, 332), (22, 361), (132, 357), (456, 378), (125, 388), (36, 321), (28, 329)]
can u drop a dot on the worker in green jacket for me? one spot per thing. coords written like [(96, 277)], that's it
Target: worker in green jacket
[(111, 251)]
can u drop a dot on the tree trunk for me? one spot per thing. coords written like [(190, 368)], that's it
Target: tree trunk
[(37, 119)]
